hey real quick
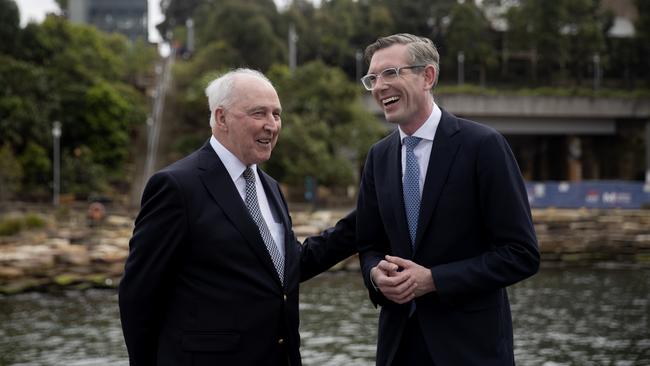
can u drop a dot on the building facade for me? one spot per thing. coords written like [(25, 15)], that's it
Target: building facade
[(128, 17)]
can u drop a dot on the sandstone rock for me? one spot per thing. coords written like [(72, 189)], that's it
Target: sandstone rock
[(305, 230), (108, 254), (9, 273), (119, 221), (75, 255)]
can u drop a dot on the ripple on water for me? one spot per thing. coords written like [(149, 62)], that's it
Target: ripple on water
[(560, 317)]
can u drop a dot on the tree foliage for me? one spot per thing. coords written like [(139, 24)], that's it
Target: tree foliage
[(89, 81), (562, 35), (469, 33), (643, 38), (325, 131)]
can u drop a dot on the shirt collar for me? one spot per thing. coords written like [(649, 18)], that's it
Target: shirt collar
[(233, 165), (428, 130)]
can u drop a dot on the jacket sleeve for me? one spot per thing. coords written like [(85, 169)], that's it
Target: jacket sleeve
[(320, 252), (144, 289), (513, 253), (372, 239)]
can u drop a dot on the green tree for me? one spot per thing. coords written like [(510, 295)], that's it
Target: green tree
[(561, 35), (325, 130), (83, 78), (422, 17), (37, 168), (469, 33), (9, 26), (176, 14), (535, 27), (642, 26), (585, 30), (247, 26), (27, 103), (11, 173)]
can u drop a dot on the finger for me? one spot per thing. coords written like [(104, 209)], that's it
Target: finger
[(403, 292), (394, 280), (399, 293), (387, 266), (398, 298), (404, 298), (407, 286), (400, 262)]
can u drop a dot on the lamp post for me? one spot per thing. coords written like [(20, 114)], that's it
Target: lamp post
[(358, 57), (598, 72), (292, 40), (56, 135), (461, 67)]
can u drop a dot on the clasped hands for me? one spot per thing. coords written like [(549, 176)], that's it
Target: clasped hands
[(401, 280)]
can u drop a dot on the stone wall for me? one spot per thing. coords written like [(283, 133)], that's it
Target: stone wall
[(583, 236), (72, 253)]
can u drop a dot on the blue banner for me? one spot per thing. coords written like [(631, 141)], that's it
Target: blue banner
[(590, 194)]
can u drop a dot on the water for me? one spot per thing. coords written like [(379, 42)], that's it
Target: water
[(561, 317)]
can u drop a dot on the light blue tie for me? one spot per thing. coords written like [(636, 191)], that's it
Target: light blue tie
[(411, 186)]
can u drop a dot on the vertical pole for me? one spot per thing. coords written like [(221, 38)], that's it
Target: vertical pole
[(647, 154), (189, 23), (292, 39), (56, 181), (358, 56), (597, 72), (461, 68)]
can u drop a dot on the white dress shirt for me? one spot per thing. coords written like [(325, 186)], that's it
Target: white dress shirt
[(422, 150), (236, 169)]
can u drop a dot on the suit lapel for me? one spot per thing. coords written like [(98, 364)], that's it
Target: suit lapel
[(442, 156), (396, 198), (218, 183)]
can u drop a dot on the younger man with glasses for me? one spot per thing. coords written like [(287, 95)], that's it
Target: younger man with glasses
[(443, 221)]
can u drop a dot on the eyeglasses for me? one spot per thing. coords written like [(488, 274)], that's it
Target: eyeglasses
[(389, 75)]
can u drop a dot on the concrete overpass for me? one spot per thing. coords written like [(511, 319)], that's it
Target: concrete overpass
[(532, 122)]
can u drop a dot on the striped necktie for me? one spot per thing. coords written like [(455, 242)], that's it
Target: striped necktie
[(254, 208)]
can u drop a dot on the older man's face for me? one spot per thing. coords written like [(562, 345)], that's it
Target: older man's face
[(251, 125)]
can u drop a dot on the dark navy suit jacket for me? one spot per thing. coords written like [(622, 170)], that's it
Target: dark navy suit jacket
[(475, 233), (199, 286)]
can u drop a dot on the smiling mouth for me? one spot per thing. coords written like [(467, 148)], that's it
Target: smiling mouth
[(390, 100), (263, 141)]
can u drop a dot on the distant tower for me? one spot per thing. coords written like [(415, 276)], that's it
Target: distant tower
[(128, 17)]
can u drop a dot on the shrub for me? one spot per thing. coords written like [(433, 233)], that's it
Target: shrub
[(11, 226), (33, 221)]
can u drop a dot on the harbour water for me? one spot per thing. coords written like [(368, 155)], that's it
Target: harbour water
[(561, 317)]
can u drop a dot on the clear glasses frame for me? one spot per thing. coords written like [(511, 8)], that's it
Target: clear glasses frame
[(388, 75)]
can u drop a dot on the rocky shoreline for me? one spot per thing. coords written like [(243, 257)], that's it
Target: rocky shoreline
[(79, 253)]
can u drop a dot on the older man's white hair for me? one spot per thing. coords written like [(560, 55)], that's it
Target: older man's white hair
[(219, 91)]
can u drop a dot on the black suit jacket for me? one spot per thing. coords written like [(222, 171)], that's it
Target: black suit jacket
[(199, 286), (475, 233)]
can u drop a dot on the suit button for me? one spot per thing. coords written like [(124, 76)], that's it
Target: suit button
[(280, 341), (284, 297)]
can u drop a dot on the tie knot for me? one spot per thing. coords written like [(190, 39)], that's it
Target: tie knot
[(411, 142), (248, 174)]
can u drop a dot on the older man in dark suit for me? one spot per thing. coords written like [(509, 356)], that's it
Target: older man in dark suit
[(443, 222), (214, 266)]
